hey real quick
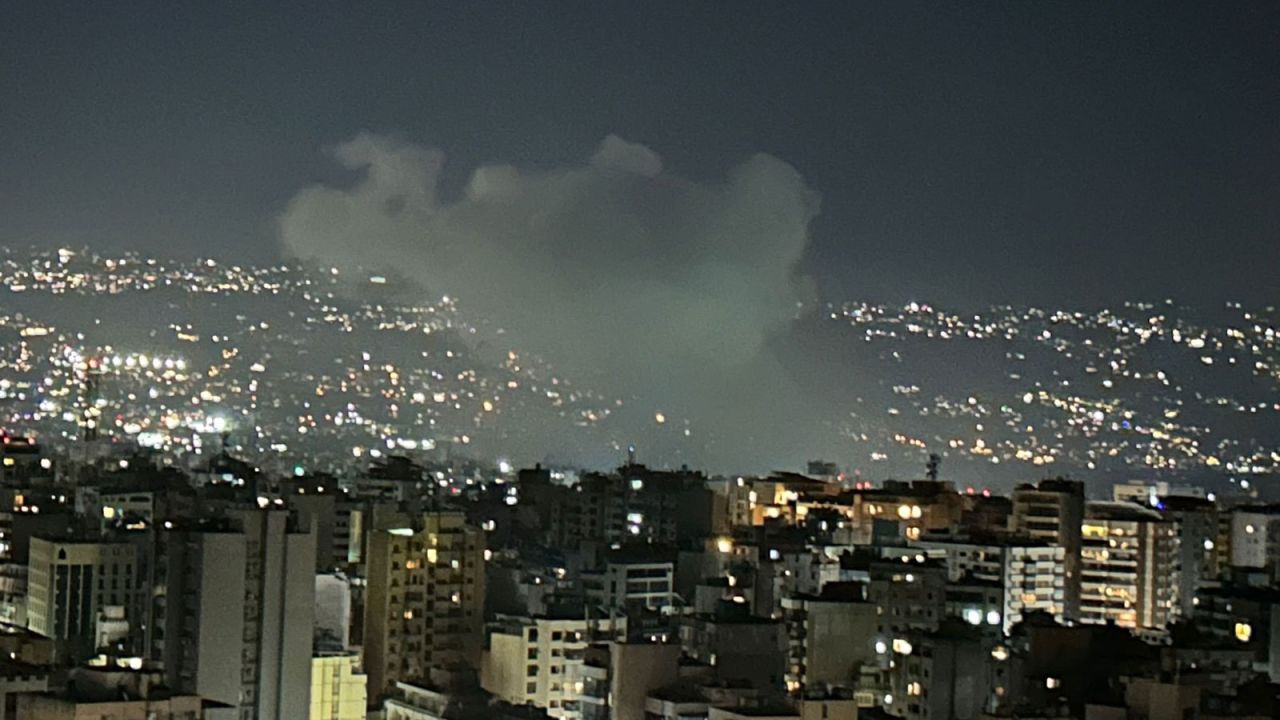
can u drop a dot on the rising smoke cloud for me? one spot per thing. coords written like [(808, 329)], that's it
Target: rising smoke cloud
[(630, 278)]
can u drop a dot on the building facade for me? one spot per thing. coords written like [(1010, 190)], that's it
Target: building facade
[(424, 603)]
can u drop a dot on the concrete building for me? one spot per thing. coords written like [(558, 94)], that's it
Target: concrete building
[(538, 661), (697, 692), (631, 579), (1243, 612), (13, 593), (976, 602), (618, 676), (1129, 566), (1051, 513), (25, 646), (123, 507), (71, 583), (738, 647), (233, 611), (451, 696), (1152, 493), (1035, 580), (908, 595), (424, 603), (18, 678), (1152, 699), (324, 507), (1028, 575), (771, 712), (1197, 521), (912, 509), (942, 676), (967, 558), (829, 637), (93, 694), (338, 687), (1255, 537), (333, 610), (632, 504)]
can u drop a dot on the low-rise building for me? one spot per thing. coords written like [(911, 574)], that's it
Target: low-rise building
[(339, 689), (828, 637), (92, 694), (538, 661), (618, 676)]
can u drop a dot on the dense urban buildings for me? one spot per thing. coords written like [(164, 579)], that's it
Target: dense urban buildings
[(639, 361), (419, 590)]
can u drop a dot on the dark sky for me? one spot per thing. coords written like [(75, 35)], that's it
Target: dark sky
[(974, 152)]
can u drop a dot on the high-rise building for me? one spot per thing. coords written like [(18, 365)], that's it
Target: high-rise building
[(1129, 566), (1051, 512), (424, 602), (1197, 521), (233, 612), (70, 585)]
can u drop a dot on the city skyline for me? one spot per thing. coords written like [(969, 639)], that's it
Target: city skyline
[(639, 361)]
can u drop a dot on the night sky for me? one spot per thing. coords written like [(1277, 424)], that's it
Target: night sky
[(1057, 152), (649, 195)]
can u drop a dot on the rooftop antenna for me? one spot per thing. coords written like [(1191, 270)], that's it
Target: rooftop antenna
[(931, 468), (631, 454)]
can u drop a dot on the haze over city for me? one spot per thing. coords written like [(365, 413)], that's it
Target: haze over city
[(639, 361), (657, 234)]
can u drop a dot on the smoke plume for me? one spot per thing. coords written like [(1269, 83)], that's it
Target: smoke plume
[(659, 289)]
